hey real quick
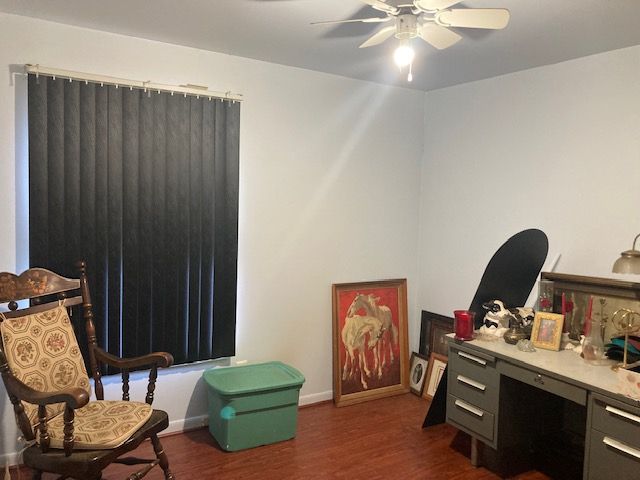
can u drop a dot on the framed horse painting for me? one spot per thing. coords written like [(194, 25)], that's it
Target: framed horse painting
[(370, 340)]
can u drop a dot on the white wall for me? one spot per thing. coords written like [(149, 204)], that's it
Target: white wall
[(556, 147), (329, 190)]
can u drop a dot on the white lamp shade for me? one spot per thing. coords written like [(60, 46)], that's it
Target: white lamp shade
[(629, 262)]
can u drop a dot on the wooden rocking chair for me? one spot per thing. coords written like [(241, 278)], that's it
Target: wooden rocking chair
[(46, 380)]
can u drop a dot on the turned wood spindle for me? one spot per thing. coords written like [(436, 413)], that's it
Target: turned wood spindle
[(87, 308), (42, 427), (153, 375), (125, 385), (68, 430)]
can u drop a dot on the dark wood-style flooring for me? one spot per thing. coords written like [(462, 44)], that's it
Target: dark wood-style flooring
[(381, 439)]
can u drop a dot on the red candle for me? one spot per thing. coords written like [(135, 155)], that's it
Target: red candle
[(463, 324), (589, 309), (563, 310), (587, 317)]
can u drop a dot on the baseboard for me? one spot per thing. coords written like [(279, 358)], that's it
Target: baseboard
[(10, 458), (316, 398), (185, 424)]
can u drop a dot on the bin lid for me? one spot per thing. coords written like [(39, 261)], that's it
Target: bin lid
[(253, 378)]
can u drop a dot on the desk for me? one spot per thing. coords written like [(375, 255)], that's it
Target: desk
[(545, 407)]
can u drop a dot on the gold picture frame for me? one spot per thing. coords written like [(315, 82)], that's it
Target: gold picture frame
[(435, 372), (370, 340), (547, 330)]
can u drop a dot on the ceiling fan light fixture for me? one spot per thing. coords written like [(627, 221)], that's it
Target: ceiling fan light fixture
[(404, 55), (428, 20), (406, 26)]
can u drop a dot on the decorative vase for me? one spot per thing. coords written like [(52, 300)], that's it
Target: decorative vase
[(593, 350), (514, 334), (545, 296)]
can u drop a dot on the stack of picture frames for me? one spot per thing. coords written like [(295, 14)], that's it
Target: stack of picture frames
[(425, 373), (428, 364)]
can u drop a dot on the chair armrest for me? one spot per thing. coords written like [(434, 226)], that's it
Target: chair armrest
[(157, 359), (152, 360), (74, 397)]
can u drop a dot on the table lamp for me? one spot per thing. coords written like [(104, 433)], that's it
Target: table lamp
[(629, 261)]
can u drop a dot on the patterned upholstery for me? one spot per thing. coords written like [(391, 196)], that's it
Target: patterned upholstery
[(42, 352), (102, 424)]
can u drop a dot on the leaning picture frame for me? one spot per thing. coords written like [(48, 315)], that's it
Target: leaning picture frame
[(547, 330), (417, 372), (370, 340), (435, 371), (433, 330)]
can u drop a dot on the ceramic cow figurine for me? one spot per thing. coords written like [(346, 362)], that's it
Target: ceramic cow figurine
[(499, 316)]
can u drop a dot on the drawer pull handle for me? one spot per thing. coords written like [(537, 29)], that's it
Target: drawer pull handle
[(471, 383), (622, 413), (621, 446), (469, 408), (472, 358), (539, 379)]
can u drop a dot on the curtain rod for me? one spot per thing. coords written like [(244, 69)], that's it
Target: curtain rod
[(193, 90)]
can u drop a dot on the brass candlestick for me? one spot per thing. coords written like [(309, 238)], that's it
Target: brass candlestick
[(627, 322)]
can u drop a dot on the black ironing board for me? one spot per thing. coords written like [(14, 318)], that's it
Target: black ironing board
[(510, 275)]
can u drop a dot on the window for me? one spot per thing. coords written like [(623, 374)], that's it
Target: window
[(144, 187)]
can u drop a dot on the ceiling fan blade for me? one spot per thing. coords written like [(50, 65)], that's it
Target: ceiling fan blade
[(379, 37), (433, 5), (493, 18), (363, 20), (439, 37), (380, 5)]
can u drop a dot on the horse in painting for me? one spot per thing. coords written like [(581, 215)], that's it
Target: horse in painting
[(389, 332), (358, 334)]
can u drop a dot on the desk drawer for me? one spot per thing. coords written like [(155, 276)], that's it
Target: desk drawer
[(611, 458), (474, 419), (474, 365), (616, 419), (543, 382), (470, 390)]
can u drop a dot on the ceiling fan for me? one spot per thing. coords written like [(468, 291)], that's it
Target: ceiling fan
[(428, 19)]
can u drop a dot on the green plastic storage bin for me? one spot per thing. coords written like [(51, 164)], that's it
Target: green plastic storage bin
[(253, 405)]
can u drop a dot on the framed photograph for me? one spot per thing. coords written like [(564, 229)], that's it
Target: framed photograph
[(370, 340), (417, 372), (547, 330), (433, 328), (435, 370)]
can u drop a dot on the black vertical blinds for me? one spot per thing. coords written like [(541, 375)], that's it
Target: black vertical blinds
[(144, 187)]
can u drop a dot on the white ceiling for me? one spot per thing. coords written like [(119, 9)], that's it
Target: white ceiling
[(541, 32)]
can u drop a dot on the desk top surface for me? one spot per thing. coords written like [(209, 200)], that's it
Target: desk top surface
[(564, 364)]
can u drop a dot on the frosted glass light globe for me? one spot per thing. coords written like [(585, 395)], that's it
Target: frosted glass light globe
[(403, 56)]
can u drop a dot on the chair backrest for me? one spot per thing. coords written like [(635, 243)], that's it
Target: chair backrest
[(39, 346)]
